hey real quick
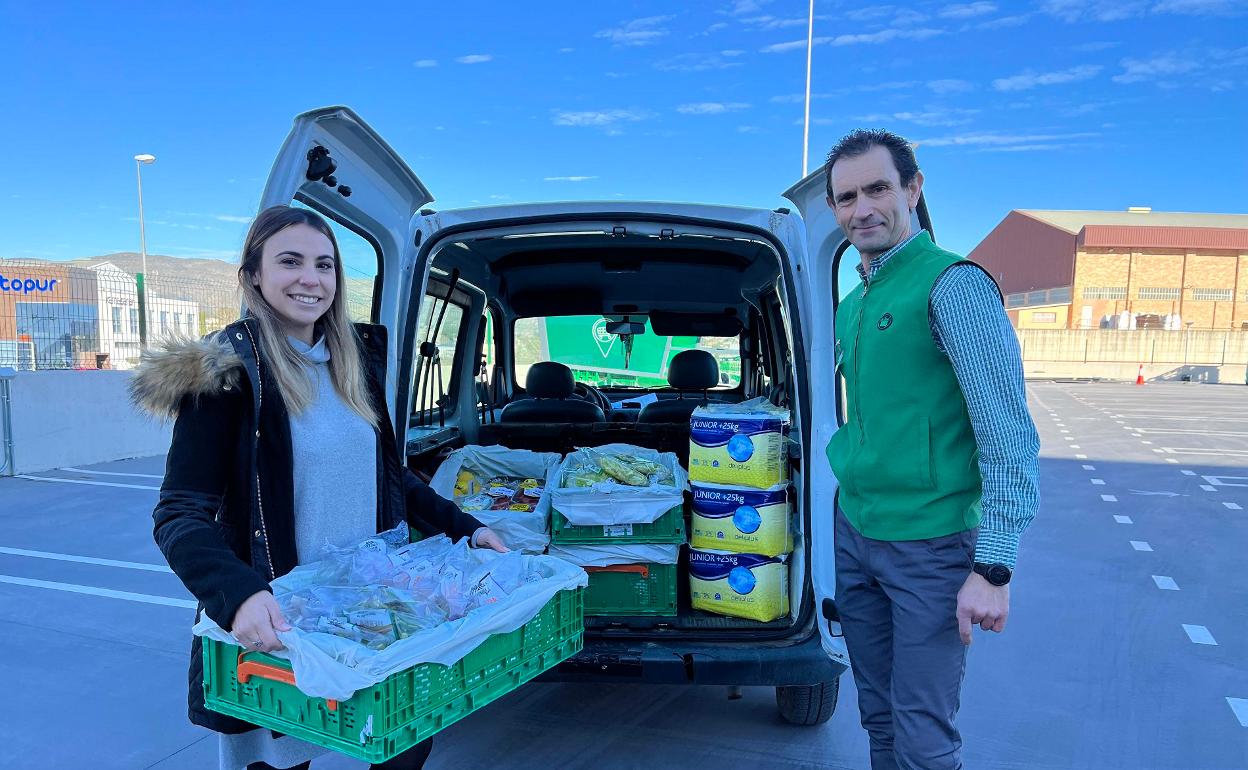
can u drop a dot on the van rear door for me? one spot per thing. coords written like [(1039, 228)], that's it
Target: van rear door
[(335, 163)]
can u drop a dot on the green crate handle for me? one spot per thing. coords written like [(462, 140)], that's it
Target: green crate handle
[(250, 668), (640, 569)]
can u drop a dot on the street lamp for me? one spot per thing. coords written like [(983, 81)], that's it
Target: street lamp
[(139, 161)]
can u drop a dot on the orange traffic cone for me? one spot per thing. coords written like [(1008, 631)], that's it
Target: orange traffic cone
[(1139, 377)]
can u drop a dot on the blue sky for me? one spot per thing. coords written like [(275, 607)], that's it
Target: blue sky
[(1045, 104)]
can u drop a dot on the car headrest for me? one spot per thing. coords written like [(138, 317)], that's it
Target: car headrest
[(549, 379), (693, 370)]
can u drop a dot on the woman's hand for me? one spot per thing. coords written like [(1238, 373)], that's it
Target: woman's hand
[(488, 538), (257, 622)]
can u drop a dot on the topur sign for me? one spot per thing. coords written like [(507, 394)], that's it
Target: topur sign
[(26, 285)]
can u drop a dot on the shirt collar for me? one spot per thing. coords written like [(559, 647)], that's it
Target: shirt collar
[(878, 262)]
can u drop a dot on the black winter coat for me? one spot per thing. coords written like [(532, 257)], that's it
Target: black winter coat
[(225, 519)]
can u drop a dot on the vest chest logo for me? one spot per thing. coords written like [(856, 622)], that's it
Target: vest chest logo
[(885, 321)]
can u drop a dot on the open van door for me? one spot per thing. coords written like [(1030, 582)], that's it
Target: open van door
[(333, 162), (823, 241)]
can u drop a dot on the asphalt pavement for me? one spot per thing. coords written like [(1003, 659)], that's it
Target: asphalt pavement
[(1125, 648)]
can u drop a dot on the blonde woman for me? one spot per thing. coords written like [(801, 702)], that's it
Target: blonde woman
[(281, 444)]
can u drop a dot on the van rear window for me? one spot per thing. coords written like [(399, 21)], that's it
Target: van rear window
[(597, 358)]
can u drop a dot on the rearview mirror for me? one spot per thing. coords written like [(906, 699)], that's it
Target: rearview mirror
[(625, 327)]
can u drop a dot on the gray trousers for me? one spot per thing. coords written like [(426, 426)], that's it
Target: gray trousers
[(898, 606)]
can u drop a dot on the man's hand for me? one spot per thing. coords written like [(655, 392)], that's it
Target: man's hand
[(257, 622), (488, 538), (981, 602)]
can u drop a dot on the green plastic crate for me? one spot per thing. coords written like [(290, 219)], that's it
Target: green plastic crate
[(669, 528), (631, 589), (384, 720)]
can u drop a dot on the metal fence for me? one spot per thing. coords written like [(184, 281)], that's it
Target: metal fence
[(1137, 346), (72, 317)]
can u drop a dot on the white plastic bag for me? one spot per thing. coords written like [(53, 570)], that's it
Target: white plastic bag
[(527, 531), (611, 554), (495, 593), (610, 502)]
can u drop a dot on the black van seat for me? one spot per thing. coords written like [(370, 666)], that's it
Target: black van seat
[(689, 370), (550, 386)]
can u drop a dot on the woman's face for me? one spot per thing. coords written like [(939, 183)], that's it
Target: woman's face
[(298, 278)]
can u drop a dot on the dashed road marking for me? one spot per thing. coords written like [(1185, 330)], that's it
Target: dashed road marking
[(1123, 519), (1081, 457), (1098, 482), (1165, 583), (1158, 451), (1172, 460), (86, 560), (1146, 442), (1109, 498), (1141, 545), (1209, 487), (1199, 634), (1089, 467), (88, 483), (1075, 446), (1239, 707), (1188, 473), (1064, 430), (114, 473), (1233, 506), (93, 591)]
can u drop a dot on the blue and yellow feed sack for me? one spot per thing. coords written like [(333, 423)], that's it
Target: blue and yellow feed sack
[(741, 520), (742, 585)]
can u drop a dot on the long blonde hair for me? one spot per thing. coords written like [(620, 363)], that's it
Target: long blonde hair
[(284, 362)]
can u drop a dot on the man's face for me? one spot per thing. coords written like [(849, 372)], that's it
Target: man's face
[(871, 206)]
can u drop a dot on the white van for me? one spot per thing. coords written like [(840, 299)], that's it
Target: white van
[(452, 286)]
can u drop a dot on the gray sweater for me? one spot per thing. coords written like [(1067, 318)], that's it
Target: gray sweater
[(335, 465)]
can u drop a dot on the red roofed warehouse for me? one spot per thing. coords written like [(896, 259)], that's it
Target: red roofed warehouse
[(1120, 269)]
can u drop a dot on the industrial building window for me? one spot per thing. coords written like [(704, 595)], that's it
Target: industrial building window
[(1015, 300), (1044, 318), (1058, 296), (1213, 295), (1104, 292), (1158, 292), (1037, 297), (134, 321), (116, 320)]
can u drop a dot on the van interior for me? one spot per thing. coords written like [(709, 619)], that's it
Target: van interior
[(478, 375)]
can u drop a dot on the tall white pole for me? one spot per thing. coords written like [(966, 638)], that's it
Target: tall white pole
[(138, 170), (810, 40)]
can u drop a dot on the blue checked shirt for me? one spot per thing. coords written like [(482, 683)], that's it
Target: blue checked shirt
[(969, 325)]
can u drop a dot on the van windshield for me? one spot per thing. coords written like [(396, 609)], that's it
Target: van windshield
[(597, 358)]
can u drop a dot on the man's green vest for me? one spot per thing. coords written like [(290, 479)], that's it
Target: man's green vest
[(906, 458)]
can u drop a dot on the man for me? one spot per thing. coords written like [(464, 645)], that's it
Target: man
[(937, 460)]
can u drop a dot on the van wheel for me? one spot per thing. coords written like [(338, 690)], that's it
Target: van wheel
[(808, 704)]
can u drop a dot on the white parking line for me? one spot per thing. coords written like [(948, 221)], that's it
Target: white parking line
[(1208, 487), (1165, 583), (1233, 506), (1172, 460), (1141, 545), (1146, 442), (1188, 473), (1098, 482), (1109, 498), (1075, 446), (1081, 457), (1123, 519), (88, 483), (1183, 450), (93, 591), (1239, 707), (86, 559), (114, 473), (1089, 467), (1064, 430), (1199, 634)]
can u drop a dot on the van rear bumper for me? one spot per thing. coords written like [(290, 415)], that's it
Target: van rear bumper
[(799, 662)]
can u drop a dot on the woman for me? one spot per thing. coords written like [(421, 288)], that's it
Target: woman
[(281, 445)]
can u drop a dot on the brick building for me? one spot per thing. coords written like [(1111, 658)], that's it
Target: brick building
[(1120, 269)]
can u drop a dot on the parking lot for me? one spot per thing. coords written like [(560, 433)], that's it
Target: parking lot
[(1126, 645)]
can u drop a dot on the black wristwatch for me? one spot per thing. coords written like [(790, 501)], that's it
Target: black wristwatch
[(997, 574)]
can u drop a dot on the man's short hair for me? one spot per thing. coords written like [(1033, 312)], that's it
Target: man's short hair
[(859, 141)]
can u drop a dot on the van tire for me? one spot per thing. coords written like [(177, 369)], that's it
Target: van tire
[(808, 704)]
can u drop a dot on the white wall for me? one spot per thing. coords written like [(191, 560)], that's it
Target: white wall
[(75, 418)]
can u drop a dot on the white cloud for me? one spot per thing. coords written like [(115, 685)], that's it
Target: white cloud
[(883, 36), (1157, 67), (967, 10), (792, 45), (566, 50), (1100, 45), (1028, 80), (748, 129), (696, 62), (996, 139), (1117, 10), (870, 13), (1004, 21), (475, 58), (732, 53), (767, 23), (717, 26), (1027, 148), (569, 178), (711, 108), (232, 218), (598, 118), (426, 63), (950, 86), (644, 31), (1200, 7), (929, 117), (742, 7)]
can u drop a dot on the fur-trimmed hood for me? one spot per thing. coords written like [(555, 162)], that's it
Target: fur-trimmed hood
[(174, 369)]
